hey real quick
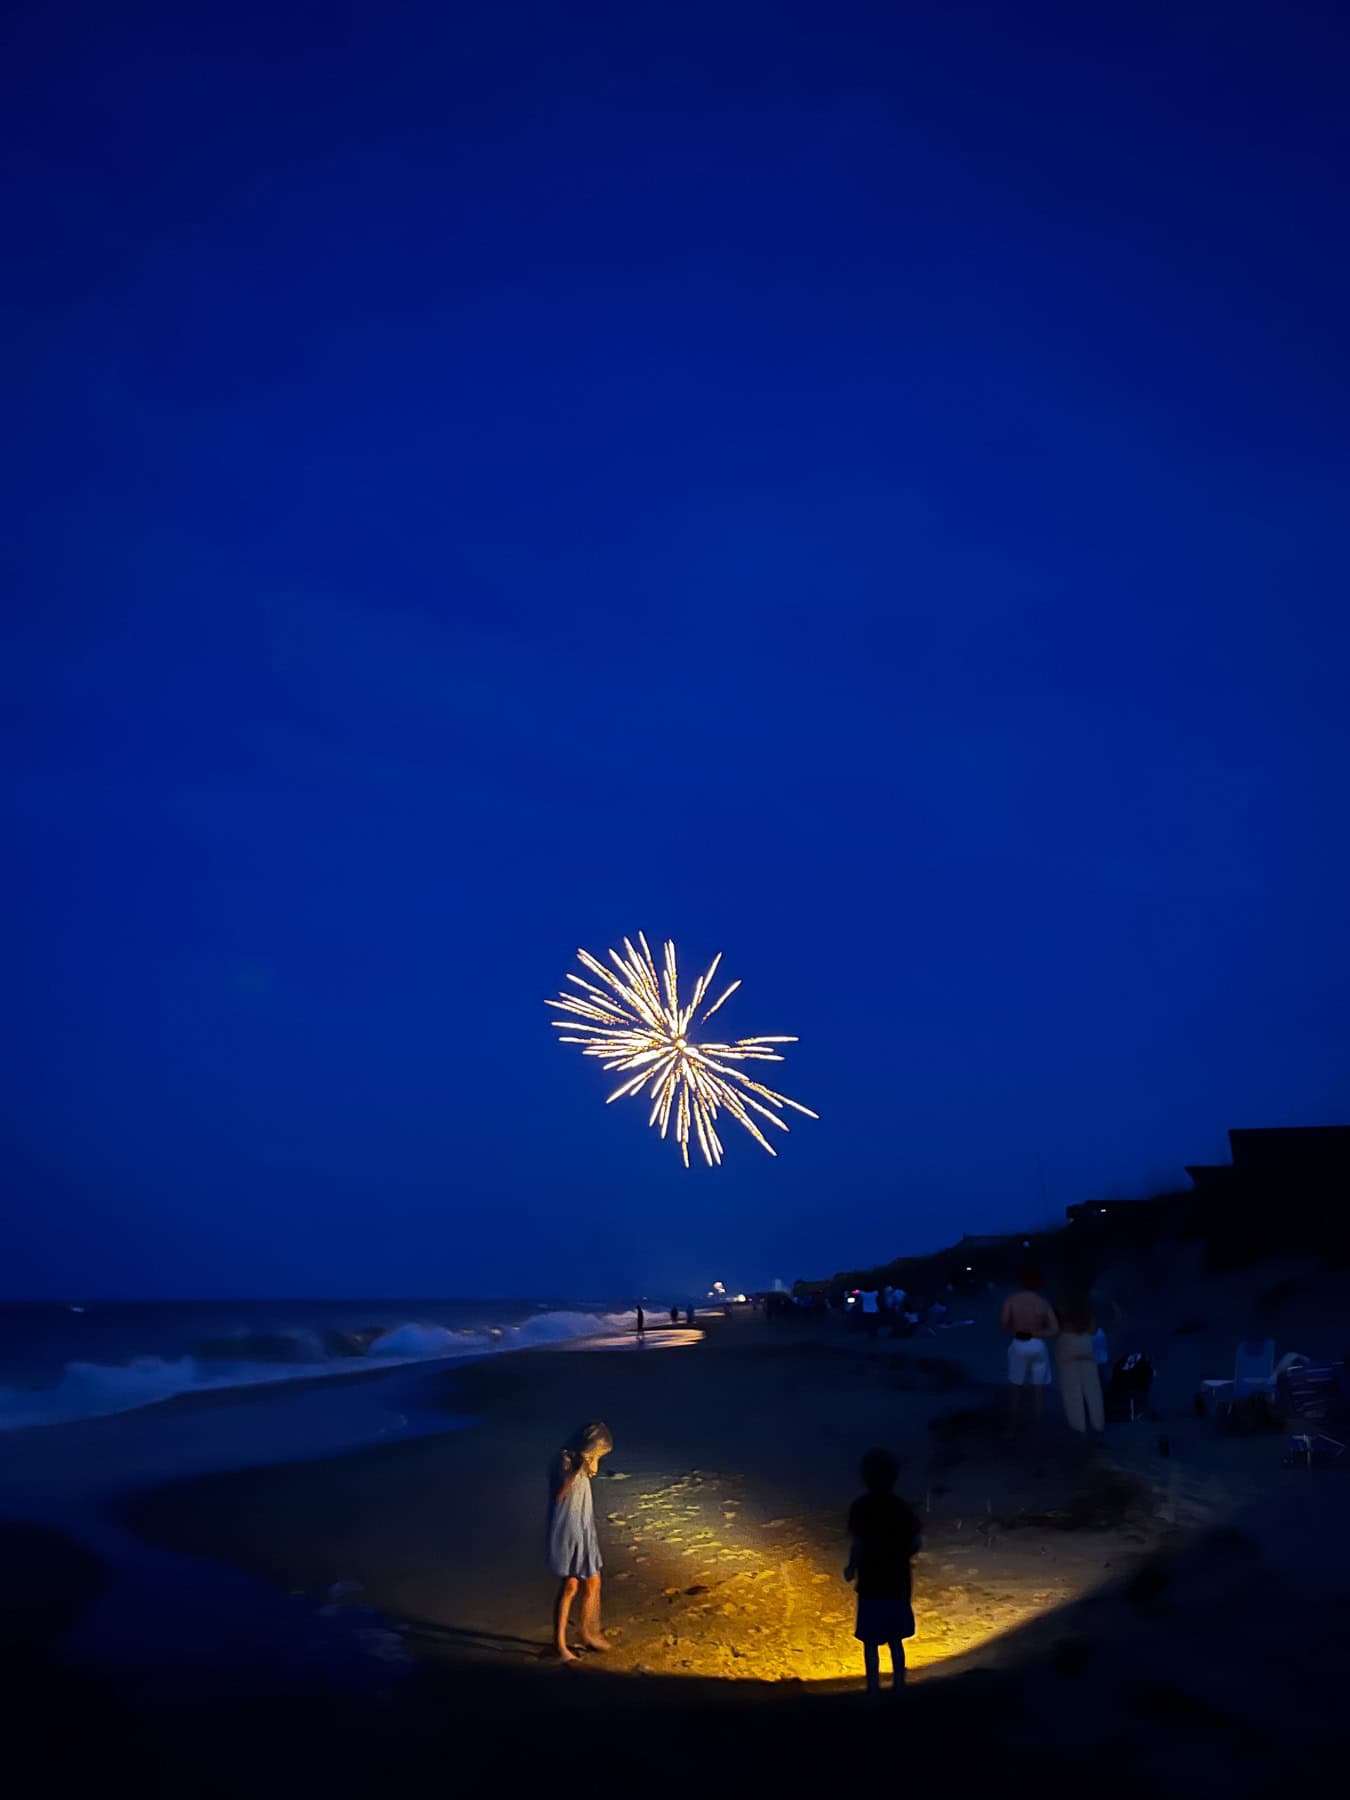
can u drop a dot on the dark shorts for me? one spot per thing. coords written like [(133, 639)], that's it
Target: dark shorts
[(883, 1621)]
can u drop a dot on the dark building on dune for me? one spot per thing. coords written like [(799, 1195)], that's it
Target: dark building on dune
[(982, 1257), (1314, 1156), (1160, 1215), (1285, 1188)]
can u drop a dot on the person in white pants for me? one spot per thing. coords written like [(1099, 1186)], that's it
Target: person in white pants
[(1080, 1384), (1030, 1321)]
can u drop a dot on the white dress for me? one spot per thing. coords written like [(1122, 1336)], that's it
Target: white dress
[(573, 1547)]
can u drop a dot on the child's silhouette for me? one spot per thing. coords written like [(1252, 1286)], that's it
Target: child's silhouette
[(886, 1537)]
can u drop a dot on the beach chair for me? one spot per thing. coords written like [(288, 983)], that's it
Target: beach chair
[(1254, 1368), (1128, 1389), (1253, 1373), (1309, 1393)]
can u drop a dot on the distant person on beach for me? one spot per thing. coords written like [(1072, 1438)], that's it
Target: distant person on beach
[(674, 1315), (886, 1537), (1030, 1320), (573, 1547), (871, 1316), (1080, 1382), (689, 1315), (641, 1320)]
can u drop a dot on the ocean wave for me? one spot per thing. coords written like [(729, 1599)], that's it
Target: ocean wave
[(89, 1390), (412, 1342)]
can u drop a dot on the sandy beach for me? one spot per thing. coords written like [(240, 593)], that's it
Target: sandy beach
[(1066, 1592), (721, 1509)]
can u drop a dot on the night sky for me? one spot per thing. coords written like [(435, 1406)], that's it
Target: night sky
[(859, 487)]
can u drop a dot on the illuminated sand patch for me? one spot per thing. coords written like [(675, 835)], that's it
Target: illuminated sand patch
[(699, 1585)]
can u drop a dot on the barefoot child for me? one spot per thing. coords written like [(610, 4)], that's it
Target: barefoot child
[(573, 1548), (886, 1536)]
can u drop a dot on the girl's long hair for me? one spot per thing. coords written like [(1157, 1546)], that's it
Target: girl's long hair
[(586, 1446)]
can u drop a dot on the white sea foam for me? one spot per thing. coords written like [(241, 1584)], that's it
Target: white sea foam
[(89, 1390), (417, 1343)]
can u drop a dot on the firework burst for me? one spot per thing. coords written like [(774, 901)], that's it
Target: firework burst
[(635, 1022)]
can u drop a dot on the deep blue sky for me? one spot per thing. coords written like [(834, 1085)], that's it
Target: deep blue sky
[(860, 487)]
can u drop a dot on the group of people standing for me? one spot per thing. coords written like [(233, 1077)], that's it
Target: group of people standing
[(881, 1306), (1080, 1353), (891, 1308)]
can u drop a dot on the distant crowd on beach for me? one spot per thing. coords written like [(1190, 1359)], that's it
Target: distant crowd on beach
[(885, 1311)]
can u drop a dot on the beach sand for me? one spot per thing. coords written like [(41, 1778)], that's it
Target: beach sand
[(721, 1510), (1070, 1603)]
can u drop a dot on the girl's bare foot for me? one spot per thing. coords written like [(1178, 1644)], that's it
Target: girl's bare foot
[(563, 1654), (597, 1641)]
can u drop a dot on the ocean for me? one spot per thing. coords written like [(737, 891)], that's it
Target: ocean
[(63, 1362)]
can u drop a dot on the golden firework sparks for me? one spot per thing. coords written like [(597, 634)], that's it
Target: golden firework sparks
[(636, 1023)]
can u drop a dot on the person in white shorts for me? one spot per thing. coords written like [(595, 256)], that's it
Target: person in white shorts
[(1030, 1320)]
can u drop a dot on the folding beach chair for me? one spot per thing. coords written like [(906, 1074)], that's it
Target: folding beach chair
[(1309, 1393), (1253, 1374), (1254, 1368), (1128, 1389)]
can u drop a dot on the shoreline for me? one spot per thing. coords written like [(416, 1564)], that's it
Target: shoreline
[(224, 1378)]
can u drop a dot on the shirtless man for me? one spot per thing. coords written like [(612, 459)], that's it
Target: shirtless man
[(1030, 1321)]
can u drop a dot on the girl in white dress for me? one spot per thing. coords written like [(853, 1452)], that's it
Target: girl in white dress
[(573, 1546)]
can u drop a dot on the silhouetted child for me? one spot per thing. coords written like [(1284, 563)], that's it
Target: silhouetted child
[(886, 1537)]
